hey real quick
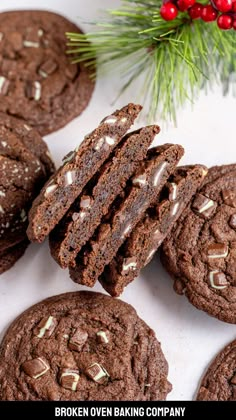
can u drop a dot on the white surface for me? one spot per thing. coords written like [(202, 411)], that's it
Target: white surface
[(190, 338)]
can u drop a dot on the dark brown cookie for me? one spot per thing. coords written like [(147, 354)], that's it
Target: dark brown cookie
[(38, 83), (11, 255), (125, 212), (200, 252), (219, 383), (78, 168), (138, 250), (82, 346), (25, 165), (85, 215)]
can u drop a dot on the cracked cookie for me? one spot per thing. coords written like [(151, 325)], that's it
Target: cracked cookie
[(82, 346), (38, 83), (219, 382), (25, 165), (200, 252)]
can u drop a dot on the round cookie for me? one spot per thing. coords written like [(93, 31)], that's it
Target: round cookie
[(25, 165), (200, 252), (219, 383), (11, 255), (38, 83), (81, 346)]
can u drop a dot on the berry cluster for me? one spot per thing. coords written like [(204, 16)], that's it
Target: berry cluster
[(222, 10)]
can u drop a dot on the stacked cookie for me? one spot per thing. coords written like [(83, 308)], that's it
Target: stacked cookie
[(100, 193), (25, 165)]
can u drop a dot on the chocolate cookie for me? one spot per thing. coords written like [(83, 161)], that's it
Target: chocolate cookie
[(77, 170), (138, 250), (85, 215), (200, 252), (219, 383), (125, 212), (25, 165), (82, 346), (38, 83), (11, 255)]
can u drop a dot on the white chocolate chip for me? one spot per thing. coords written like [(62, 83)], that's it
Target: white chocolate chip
[(4, 144), (139, 180), (103, 336), (2, 194), (173, 192), (1, 210), (109, 140), (37, 94), (50, 189), (207, 206), (158, 173), (30, 44), (110, 120)]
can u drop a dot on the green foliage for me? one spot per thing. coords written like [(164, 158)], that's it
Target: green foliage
[(178, 58)]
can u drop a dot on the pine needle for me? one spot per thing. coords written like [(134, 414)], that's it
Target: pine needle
[(178, 58)]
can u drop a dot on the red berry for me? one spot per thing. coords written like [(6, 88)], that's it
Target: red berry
[(225, 22), (223, 5), (195, 12), (234, 7), (168, 11), (185, 4), (209, 13), (234, 25)]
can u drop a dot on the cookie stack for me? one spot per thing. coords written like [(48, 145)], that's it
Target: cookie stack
[(112, 202)]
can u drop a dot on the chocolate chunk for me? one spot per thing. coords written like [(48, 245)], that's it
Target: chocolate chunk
[(78, 339), (216, 250), (232, 221), (203, 205), (69, 379), (217, 280), (46, 327), (229, 197), (97, 373), (35, 367), (103, 337), (33, 90), (47, 68), (4, 85)]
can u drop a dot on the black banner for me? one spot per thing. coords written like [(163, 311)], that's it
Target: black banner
[(109, 410)]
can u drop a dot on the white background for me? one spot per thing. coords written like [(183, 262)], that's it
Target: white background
[(189, 337)]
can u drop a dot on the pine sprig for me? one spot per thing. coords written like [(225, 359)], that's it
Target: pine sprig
[(177, 58)]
